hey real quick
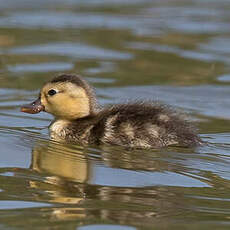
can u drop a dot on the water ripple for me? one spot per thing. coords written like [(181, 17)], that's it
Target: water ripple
[(41, 67), (74, 50), (14, 204)]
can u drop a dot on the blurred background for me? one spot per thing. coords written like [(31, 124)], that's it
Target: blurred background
[(173, 51)]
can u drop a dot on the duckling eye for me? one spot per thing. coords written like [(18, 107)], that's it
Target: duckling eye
[(51, 92)]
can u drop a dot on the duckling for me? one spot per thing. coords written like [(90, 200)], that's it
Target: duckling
[(78, 118)]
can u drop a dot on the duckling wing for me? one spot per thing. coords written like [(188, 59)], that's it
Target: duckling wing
[(145, 125)]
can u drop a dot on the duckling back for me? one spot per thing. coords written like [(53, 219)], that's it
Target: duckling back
[(139, 125)]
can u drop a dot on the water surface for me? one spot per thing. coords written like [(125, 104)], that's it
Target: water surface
[(176, 52)]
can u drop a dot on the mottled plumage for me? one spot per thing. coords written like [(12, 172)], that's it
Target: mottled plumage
[(138, 125)]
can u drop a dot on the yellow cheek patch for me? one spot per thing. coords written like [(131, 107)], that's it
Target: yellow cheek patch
[(70, 102)]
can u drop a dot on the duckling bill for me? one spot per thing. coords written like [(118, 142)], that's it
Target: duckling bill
[(78, 118), (34, 107)]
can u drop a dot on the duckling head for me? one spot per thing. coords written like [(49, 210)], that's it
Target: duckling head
[(66, 97)]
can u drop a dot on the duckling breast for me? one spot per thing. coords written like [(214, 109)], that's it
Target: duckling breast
[(58, 130)]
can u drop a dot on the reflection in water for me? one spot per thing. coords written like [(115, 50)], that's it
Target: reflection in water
[(50, 159), (63, 171), (115, 185), (75, 174)]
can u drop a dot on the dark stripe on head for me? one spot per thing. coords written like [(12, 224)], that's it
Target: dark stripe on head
[(75, 79)]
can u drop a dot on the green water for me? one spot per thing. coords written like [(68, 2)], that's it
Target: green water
[(174, 51)]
